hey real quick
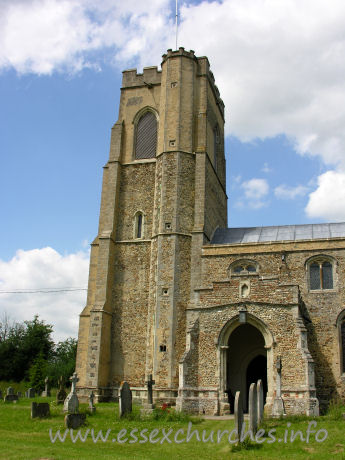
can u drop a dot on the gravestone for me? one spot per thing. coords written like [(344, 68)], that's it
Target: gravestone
[(71, 404), (260, 397), (149, 406), (92, 408), (10, 396), (46, 391), (74, 421), (0, 394), (30, 393), (253, 408), (40, 410), (19, 394), (125, 400), (61, 393), (238, 409), (150, 384)]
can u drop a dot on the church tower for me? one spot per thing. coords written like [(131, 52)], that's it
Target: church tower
[(163, 197)]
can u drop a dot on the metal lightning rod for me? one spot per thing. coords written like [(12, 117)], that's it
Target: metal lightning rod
[(176, 20)]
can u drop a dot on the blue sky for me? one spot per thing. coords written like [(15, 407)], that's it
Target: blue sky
[(279, 67)]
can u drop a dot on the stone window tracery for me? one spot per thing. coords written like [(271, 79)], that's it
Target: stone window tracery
[(244, 267), (321, 274)]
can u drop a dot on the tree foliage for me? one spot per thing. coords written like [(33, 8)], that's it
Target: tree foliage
[(62, 361), (28, 352), (37, 373)]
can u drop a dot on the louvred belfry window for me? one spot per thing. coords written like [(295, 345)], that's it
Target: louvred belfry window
[(146, 137)]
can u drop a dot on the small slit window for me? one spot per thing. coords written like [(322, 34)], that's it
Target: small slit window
[(138, 225), (320, 275), (146, 136)]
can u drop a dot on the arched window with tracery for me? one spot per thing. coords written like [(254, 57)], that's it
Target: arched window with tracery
[(321, 274), (244, 267), (145, 144)]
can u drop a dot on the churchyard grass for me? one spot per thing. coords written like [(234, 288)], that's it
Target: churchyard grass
[(24, 438)]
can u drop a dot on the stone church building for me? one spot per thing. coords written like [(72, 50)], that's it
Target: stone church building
[(173, 292)]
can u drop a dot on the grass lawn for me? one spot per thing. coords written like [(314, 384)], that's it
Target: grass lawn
[(23, 438)]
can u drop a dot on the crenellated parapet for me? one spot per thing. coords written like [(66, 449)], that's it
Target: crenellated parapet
[(151, 76), (203, 70)]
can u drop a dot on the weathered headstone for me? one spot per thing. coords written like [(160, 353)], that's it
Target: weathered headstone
[(125, 400), (30, 393), (260, 397), (19, 394), (40, 410), (46, 391), (74, 421), (253, 408), (61, 393), (71, 404), (149, 406), (10, 396), (238, 409), (150, 382), (92, 408)]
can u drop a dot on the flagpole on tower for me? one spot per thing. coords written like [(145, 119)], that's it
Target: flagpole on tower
[(176, 20)]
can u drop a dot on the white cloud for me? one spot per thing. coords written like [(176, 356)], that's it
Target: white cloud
[(266, 169), (45, 268), (43, 36), (255, 188), (328, 200), (254, 191), (289, 193), (280, 65)]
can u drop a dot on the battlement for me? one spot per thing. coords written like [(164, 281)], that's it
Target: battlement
[(150, 76), (203, 69), (180, 52)]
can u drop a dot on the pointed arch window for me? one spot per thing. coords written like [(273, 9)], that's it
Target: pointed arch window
[(145, 145)]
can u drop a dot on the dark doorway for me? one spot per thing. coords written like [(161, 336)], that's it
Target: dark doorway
[(246, 362), (256, 370)]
